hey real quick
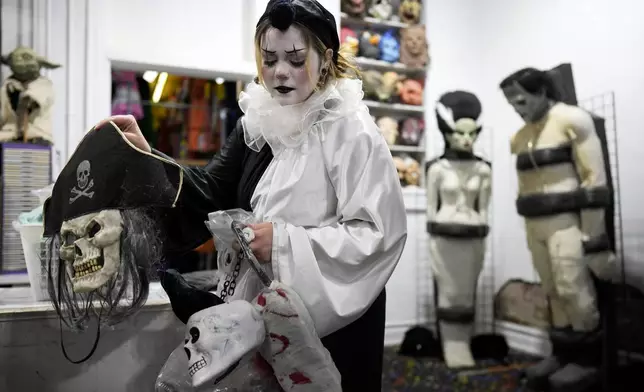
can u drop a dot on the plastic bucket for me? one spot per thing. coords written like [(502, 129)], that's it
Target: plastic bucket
[(31, 236)]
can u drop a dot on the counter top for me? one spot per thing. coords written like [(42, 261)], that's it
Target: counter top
[(18, 300)]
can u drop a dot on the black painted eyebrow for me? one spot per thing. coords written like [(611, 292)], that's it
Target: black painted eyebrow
[(294, 50)]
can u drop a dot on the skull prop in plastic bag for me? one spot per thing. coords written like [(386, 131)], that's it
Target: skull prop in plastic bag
[(90, 246), (217, 338)]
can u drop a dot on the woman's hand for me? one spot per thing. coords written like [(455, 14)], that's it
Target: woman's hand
[(262, 244), (128, 125)]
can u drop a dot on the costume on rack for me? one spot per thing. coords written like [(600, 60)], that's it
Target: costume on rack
[(458, 196), (563, 196), (126, 98), (26, 98), (101, 227)]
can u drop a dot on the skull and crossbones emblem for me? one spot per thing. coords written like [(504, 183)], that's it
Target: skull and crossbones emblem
[(84, 183)]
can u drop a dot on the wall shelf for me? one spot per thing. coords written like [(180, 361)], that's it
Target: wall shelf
[(384, 66), (394, 107), (371, 22)]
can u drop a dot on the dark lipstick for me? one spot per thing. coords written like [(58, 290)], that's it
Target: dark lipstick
[(284, 89)]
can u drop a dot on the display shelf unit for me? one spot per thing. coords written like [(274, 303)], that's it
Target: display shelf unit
[(399, 111), (381, 65)]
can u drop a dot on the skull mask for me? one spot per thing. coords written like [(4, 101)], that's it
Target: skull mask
[(218, 337), (91, 248)]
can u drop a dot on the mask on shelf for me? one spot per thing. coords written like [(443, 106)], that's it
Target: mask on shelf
[(389, 47), (409, 11), (414, 49)]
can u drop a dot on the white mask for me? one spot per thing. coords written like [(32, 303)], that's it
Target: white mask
[(285, 73), (464, 131), (218, 337), (91, 247), (530, 107)]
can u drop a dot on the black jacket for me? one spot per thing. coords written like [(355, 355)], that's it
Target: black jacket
[(226, 182)]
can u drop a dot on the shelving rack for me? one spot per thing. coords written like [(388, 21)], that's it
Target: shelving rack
[(396, 110)]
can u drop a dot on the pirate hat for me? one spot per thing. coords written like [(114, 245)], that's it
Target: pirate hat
[(108, 172)]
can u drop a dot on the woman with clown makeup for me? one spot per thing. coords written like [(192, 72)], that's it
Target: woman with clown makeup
[(310, 163)]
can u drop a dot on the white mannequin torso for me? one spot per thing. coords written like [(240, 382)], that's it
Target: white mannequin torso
[(459, 186)]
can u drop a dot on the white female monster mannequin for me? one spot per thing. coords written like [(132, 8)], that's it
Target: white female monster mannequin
[(308, 160), (563, 195), (458, 194)]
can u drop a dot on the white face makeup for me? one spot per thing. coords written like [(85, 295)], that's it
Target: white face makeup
[(284, 66)]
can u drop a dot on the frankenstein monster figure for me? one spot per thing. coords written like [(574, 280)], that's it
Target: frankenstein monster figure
[(563, 197)]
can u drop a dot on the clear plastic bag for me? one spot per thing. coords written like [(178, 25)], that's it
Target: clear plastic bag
[(299, 360), (173, 376), (253, 374), (219, 225)]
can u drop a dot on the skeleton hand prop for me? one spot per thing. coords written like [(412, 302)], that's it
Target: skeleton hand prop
[(294, 350), (91, 249)]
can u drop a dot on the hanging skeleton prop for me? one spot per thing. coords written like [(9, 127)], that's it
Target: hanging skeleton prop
[(458, 189), (101, 228), (564, 196), (26, 98), (268, 345)]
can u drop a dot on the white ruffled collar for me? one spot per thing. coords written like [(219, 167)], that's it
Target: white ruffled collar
[(284, 127)]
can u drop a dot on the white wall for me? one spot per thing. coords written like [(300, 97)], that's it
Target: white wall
[(209, 38), (198, 38)]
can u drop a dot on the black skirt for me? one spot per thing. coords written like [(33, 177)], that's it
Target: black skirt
[(358, 349)]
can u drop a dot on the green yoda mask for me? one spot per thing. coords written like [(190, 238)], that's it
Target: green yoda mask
[(25, 64)]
